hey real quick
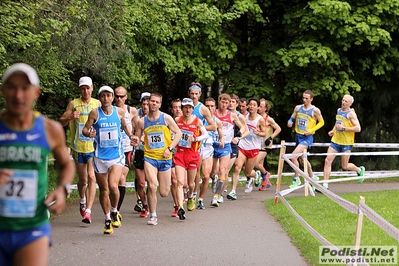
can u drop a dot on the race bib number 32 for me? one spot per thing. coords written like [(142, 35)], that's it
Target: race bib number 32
[(18, 197)]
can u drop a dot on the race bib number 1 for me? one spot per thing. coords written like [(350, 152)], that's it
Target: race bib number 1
[(19, 196), (109, 137)]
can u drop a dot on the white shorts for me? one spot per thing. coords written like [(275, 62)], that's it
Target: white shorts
[(102, 166), (207, 151)]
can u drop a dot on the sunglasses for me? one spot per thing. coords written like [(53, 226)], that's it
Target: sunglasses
[(119, 96)]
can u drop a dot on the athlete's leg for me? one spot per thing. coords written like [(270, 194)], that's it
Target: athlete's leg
[(34, 254), (114, 175), (151, 174), (91, 184)]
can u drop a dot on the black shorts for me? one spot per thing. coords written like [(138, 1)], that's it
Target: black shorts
[(234, 151), (128, 158), (138, 160)]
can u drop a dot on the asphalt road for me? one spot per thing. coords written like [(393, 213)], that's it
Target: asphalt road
[(239, 232)]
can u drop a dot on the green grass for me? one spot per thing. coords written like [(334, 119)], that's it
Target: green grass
[(334, 223)]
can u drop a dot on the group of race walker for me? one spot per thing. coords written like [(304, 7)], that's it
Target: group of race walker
[(105, 138), (197, 142)]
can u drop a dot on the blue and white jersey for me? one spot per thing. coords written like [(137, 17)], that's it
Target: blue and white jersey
[(197, 112), (108, 140), (209, 140)]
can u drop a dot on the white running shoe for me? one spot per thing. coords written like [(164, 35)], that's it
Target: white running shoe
[(153, 221), (215, 179), (215, 202), (248, 186)]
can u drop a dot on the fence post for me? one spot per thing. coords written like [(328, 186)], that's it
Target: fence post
[(359, 224), (280, 169), (305, 169)]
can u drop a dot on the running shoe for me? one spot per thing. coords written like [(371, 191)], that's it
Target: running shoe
[(257, 178), (248, 186), (182, 214), (87, 218), (185, 196), (361, 173), (316, 178), (139, 206), (215, 202), (266, 178), (232, 195), (174, 214), (82, 209), (265, 186), (108, 230), (191, 204), (324, 186), (215, 179), (144, 212), (200, 204), (120, 216), (295, 183), (220, 199), (153, 221), (115, 220)]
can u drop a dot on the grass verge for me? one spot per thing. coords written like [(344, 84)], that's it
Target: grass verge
[(335, 223)]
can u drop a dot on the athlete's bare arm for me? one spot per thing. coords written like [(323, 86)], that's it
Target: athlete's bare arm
[(87, 130), (208, 117), (66, 168), (69, 114)]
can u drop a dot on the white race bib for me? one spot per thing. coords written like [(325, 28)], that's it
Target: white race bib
[(109, 137), (155, 140), (184, 141), (19, 196)]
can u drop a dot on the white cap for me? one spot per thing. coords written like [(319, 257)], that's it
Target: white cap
[(85, 81), (105, 88), (24, 68), (187, 101), (144, 94)]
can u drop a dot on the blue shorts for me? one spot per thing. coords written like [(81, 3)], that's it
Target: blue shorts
[(221, 152), (12, 241), (161, 165), (341, 148), (234, 151), (304, 140), (82, 157)]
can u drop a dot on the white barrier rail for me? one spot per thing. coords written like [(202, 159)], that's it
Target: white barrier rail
[(361, 209), (356, 145)]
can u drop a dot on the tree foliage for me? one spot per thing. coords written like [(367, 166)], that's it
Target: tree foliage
[(263, 48)]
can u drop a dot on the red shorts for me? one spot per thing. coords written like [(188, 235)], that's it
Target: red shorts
[(187, 160), (249, 153)]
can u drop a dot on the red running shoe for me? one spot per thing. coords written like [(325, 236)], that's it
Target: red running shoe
[(174, 214), (144, 212), (87, 218), (82, 209)]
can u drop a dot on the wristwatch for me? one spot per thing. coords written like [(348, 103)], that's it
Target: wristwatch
[(170, 149)]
